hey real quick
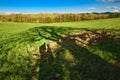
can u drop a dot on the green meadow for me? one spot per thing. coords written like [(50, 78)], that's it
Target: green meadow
[(92, 24), (75, 59)]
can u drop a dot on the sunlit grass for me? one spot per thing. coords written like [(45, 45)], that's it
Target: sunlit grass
[(10, 27), (18, 41)]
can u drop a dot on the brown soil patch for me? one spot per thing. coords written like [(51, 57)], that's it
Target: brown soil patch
[(83, 38)]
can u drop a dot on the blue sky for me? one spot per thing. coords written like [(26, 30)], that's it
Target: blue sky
[(59, 6)]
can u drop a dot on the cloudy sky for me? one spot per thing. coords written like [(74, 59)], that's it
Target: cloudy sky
[(59, 6)]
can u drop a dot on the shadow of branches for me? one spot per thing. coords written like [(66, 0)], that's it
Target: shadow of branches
[(81, 55), (75, 61), (16, 61)]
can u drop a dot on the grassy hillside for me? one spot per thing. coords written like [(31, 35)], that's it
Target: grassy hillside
[(90, 55)]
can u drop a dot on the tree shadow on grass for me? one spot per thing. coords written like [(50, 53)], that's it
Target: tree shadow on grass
[(16, 65), (74, 61), (110, 45), (53, 32)]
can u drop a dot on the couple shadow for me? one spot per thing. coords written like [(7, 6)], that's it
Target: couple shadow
[(72, 61)]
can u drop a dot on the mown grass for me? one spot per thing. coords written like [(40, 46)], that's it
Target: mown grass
[(18, 41)]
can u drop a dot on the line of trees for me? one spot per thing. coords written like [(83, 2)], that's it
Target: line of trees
[(50, 18)]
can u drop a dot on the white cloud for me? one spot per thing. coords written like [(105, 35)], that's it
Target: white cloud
[(9, 12), (111, 0), (92, 8), (114, 8)]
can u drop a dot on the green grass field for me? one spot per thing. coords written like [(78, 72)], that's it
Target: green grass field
[(98, 60), (94, 24)]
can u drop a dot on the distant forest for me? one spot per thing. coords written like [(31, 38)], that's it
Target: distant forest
[(52, 18)]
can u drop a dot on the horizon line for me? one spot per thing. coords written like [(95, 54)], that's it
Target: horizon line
[(55, 12)]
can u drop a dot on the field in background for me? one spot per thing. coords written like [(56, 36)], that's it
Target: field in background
[(18, 41), (94, 24)]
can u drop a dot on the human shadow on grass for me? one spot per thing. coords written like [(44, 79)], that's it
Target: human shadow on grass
[(71, 61), (74, 61), (16, 66)]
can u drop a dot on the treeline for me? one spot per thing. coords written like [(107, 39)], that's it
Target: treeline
[(50, 18)]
